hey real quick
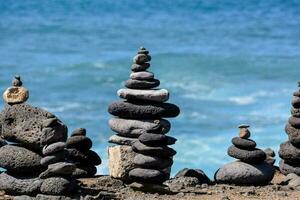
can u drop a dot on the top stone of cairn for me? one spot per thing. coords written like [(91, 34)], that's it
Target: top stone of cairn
[(244, 132), (16, 94)]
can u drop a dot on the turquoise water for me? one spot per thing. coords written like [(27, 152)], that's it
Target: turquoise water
[(224, 62)]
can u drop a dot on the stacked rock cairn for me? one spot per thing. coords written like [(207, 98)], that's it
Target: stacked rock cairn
[(251, 168), (37, 140), (86, 160), (290, 150), (141, 153)]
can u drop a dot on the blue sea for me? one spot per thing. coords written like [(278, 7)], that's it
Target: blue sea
[(225, 62)]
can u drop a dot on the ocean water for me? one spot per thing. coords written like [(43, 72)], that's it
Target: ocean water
[(224, 63)]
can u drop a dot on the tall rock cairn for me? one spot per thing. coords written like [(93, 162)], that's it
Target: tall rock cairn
[(141, 153), (290, 150)]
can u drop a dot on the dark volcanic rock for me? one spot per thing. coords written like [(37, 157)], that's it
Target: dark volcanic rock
[(248, 156), (84, 171), (19, 160), (294, 134), (296, 102), (54, 158), (93, 157), (79, 132), (147, 175), (58, 186), (139, 68), (294, 121), (197, 173), (53, 148), (287, 168), (24, 123), (152, 162), (81, 143), (154, 140), (295, 112), (58, 169), (142, 84), (89, 158), (289, 152), (162, 151), (19, 185), (144, 110), (243, 143)]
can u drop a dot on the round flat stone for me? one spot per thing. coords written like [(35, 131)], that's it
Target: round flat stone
[(84, 172), (140, 67), (162, 151), (155, 140), (143, 110), (81, 143), (58, 186), (134, 128), (79, 132), (117, 139), (270, 152), (53, 158), (142, 84), (294, 121), (147, 175), (58, 169), (287, 168), (294, 134), (158, 95), (76, 156), (240, 173), (243, 143), (152, 162), (248, 156), (289, 152), (145, 75), (94, 158), (53, 148), (141, 58), (296, 102), (295, 112), (15, 95)]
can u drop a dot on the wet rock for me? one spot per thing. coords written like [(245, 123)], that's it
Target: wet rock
[(142, 84), (58, 186), (248, 156), (197, 173), (157, 95)]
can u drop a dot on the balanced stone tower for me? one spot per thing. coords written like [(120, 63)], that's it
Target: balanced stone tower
[(36, 147), (141, 153), (290, 150), (251, 168), (86, 160)]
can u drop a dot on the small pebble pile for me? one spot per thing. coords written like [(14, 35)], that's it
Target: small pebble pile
[(251, 168), (86, 160), (139, 124), (290, 150)]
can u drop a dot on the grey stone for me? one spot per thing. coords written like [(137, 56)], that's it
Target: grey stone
[(58, 186), (296, 102), (249, 156), (269, 152), (240, 173), (88, 158), (140, 67), (151, 188), (23, 197), (148, 176), (287, 168), (53, 158), (23, 123), (116, 139), (162, 151), (52, 197), (143, 50), (145, 75), (79, 132), (144, 110), (157, 95), (294, 134), (142, 84), (19, 160), (19, 185), (182, 182), (134, 128), (152, 162), (84, 171), (58, 169), (156, 140), (197, 173), (53, 148), (270, 160), (289, 152), (294, 121), (243, 143), (295, 112), (81, 143), (293, 180), (141, 58)]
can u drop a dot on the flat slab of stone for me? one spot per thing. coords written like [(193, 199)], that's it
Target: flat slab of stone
[(287, 168), (144, 75), (81, 143), (19, 160), (14, 95), (240, 173), (243, 143), (156, 140), (140, 67), (289, 152), (148, 176), (58, 169), (143, 110), (116, 139), (151, 188), (120, 161), (161, 151), (53, 158), (53, 148), (19, 185), (134, 128), (249, 156), (79, 132), (152, 162), (142, 84), (141, 58), (84, 171), (157, 95)]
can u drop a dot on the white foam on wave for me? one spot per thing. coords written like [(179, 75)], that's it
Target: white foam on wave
[(246, 100)]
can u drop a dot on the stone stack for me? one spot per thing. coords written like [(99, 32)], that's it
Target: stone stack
[(251, 168), (290, 150), (141, 153), (28, 129), (86, 160)]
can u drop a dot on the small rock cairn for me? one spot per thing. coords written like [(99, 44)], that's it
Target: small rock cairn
[(86, 160), (290, 150), (141, 153), (251, 168)]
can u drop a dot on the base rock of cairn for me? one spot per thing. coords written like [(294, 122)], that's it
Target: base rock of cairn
[(251, 168), (140, 127), (290, 151)]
